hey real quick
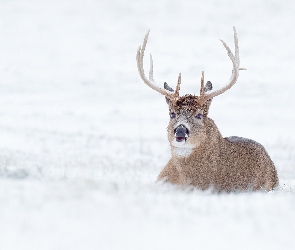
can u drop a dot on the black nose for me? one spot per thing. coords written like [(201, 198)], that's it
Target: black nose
[(181, 133)]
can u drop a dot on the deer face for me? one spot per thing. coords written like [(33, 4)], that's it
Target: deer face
[(187, 125)]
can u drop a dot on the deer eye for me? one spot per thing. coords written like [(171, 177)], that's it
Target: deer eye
[(172, 115), (199, 116)]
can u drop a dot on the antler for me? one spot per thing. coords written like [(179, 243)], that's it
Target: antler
[(235, 72), (175, 95), (151, 82)]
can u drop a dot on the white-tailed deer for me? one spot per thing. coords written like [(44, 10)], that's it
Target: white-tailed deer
[(200, 155)]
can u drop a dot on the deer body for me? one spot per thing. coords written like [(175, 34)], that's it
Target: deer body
[(224, 164), (200, 155)]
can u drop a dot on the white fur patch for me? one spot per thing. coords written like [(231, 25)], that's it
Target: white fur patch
[(181, 152), (182, 149)]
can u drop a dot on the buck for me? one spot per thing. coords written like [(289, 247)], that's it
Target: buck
[(201, 157)]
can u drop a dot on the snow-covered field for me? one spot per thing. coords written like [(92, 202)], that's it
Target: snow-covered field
[(82, 139)]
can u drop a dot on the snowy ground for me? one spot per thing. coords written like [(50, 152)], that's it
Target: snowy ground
[(82, 139)]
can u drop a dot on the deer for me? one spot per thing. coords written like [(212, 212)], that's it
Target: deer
[(200, 156)]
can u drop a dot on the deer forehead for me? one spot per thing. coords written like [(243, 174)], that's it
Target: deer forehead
[(189, 105)]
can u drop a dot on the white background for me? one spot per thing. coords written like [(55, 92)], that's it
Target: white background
[(82, 138)]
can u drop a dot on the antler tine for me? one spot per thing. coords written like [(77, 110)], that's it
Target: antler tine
[(237, 54), (150, 82), (202, 90), (176, 93), (151, 73), (236, 67)]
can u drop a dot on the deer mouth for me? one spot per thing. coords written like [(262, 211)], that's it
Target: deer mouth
[(181, 133)]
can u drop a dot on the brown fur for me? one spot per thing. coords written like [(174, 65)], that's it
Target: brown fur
[(200, 156), (224, 164)]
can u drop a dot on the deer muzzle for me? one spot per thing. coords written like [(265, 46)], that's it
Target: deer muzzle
[(181, 133)]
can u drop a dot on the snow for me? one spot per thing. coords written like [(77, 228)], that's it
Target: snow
[(82, 138)]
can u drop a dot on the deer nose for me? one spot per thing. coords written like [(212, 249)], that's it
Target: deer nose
[(181, 133)]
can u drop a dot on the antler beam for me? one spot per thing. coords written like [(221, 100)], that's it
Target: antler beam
[(235, 72), (175, 95), (151, 82)]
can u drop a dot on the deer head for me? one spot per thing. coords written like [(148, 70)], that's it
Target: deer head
[(188, 114)]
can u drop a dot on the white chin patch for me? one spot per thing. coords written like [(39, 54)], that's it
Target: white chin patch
[(178, 143), (182, 149)]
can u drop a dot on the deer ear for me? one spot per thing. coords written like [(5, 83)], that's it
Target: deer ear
[(207, 88), (167, 87)]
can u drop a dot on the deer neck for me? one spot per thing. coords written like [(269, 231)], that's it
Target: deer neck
[(188, 160), (183, 152)]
